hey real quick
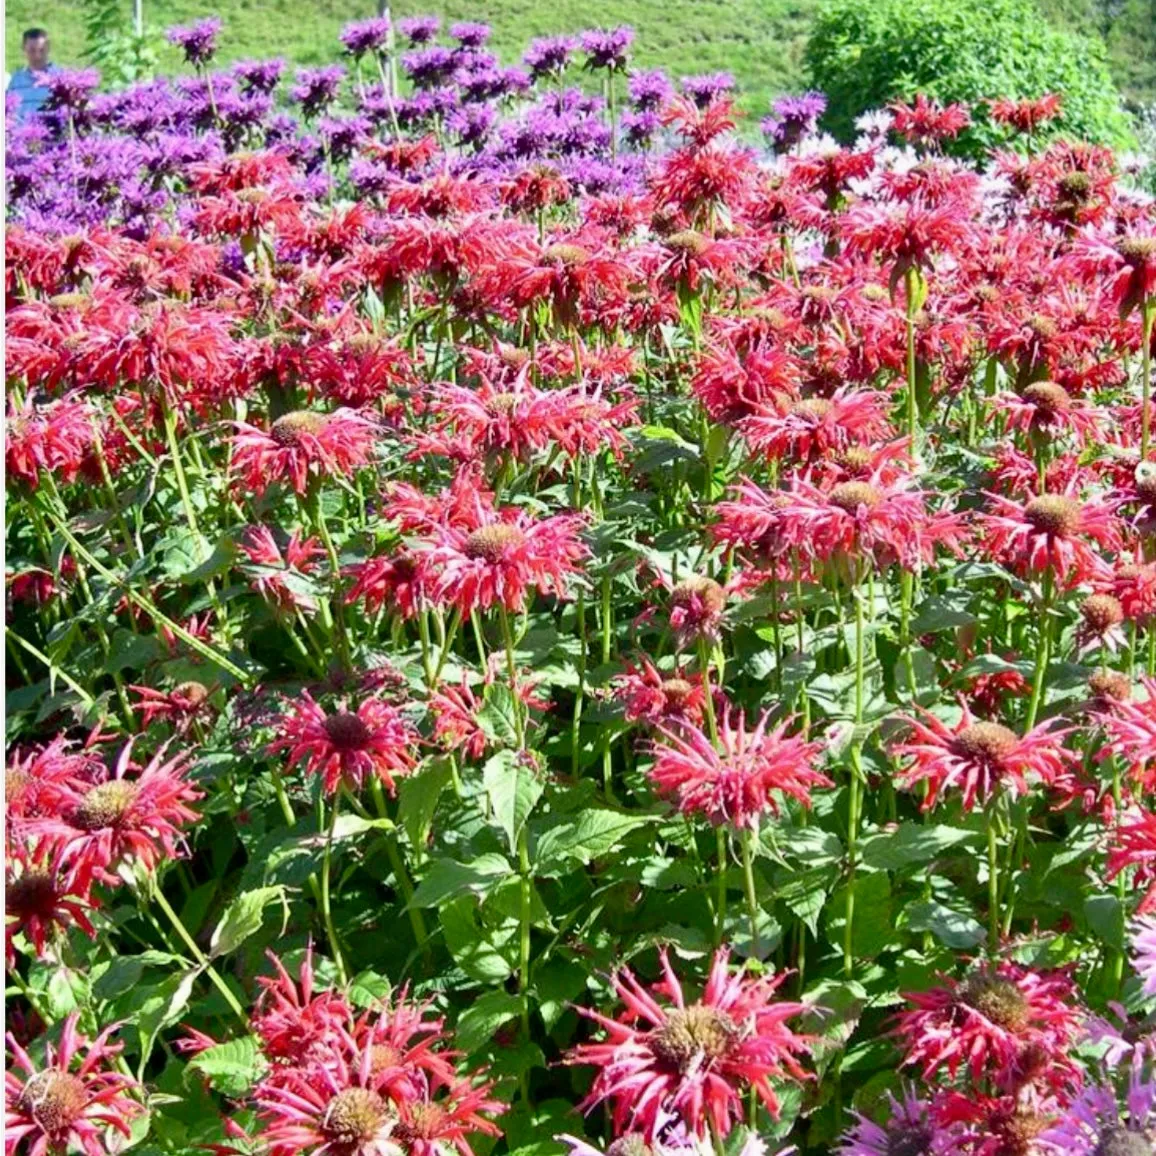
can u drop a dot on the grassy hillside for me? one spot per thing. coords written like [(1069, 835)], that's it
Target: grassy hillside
[(760, 41)]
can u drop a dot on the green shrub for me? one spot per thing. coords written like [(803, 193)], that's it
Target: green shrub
[(864, 53)]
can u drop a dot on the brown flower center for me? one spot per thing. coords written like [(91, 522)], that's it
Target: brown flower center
[(702, 589), (353, 1117), (631, 1144), (382, 1057), (1075, 186), (1053, 514), (1137, 251), (812, 407), (502, 403), (492, 543), (1101, 612), (104, 805), (914, 1140), (1119, 1141), (854, 459), (1146, 488), (54, 1099), (292, 429), (986, 742), (425, 1121), (1042, 326), (68, 300), (192, 693), (998, 1000), (688, 241), (852, 496), (565, 254), (34, 893), (693, 1033), (1048, 396), (1110, 684), (514, 356), (676, 691), (874, 293), (346, 731), (253, 196)]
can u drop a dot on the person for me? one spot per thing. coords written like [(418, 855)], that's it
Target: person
[(27, 83)]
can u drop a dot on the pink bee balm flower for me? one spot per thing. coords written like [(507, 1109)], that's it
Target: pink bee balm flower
[(69, 1102), (347, 747), (1006, 1023), (505, 554), (736, 782), (40, 898), (812, 427), (301, 446), (126, 814), (978, 757), (1131, 727), (692, 1061), (1052, 532), (649, 695)]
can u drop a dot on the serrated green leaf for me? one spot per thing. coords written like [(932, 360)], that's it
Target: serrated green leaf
[(512, 788), (912, 843), (591, 834), (244, 917), (952, 928), (232, 1067), (485, 1016), (446, 878)]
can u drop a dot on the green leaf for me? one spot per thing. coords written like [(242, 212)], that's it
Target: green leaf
[(484, 1016), (418, 797), (912, 843), (233, 1067), (367, 989), (512, 788), (496, 716), (592, 834), (952, 928), (125, 971), (486, 955), (804, 892), (943, 612), (1105, 916), (446, 878), (163, 1006), (873, 928), (244, 917)]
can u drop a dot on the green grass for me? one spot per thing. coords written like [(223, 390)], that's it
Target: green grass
[(760, 41)]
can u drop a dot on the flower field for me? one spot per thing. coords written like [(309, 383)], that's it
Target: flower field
[(538, 627)]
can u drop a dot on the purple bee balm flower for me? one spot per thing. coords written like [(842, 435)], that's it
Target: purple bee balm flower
[(423, 107), (469, 34), (909, 1130), (429, 67), (419, 29), (363, 36), (607, 49), (703, 89), (377, 104), (343, 135), (69, 90), (317, 88), (471, 125), (198, 41), (649, 90), (281, 130), (515, 82), (370, 178), (1144, 951), (259, 75), (1097, 1123), (640, 128), (549, 56), (482, 84), (792, 118)]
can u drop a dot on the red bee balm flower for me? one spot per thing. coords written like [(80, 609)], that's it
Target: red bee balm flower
[(40, 897), (979, 757), (737, 782), (348, 746), (67, 1105), (300, 446), (121, 817), (692, 1061), (1051, 531), (503, 556), (1004, 1023)]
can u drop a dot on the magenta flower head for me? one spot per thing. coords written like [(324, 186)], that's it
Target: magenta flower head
[(197, 41), (362, 37), (607, 49), (419, 29)]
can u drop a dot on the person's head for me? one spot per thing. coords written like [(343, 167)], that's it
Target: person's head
[(35, 45)]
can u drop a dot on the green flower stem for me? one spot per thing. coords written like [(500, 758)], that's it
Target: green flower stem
[(1147, 321), (446, 646), (855, 799), (1043, 650), (401, 875), (199, 955), (334, 618), (747, 840), (54, 671), (524, 915), (512, 673), (910, 279), (721, 902), (326, 905), (989, 820)]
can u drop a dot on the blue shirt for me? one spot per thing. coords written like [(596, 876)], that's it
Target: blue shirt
[(29, 86)]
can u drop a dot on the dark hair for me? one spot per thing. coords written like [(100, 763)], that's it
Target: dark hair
[(33, 34)]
